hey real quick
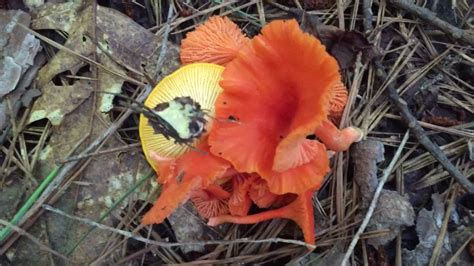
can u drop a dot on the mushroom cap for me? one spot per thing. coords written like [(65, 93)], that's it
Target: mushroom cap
[(198, 81), (279, 89), (184, 176), (217, 41)]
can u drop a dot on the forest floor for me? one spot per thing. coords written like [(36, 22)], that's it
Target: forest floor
[(74, 182)]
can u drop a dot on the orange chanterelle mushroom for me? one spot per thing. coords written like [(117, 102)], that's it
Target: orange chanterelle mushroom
[(272, 90), (217, 41), (273, 104)]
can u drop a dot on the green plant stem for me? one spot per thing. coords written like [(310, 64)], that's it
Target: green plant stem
[(26, 207)]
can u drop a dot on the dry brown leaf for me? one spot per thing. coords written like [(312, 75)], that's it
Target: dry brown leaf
[(428, 225), (58, 101), (393, 211), (121, 43), (17, 51), (343, 45)]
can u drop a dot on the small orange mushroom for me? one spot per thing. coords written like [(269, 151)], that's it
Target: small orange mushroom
[(217, 41), (198, 171), (300, 211)]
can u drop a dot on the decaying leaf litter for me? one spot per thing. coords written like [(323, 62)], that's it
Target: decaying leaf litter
[(418, 60)]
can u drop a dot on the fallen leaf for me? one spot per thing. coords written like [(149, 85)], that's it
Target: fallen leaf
[(428, 224), (17, 52), (343, 45), (189, 227), (393, 211), (367, 154), (109, 176), (57, 101), (121, 42)]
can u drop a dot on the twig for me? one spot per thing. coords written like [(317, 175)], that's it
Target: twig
[(102, 152), (449, 130), (444, 226), (167, 244), (453, 259), (85, 58), (419, 133), (368, 16), (164, 42), (430, 17), (33, 239), (197, 14), (373, 203)]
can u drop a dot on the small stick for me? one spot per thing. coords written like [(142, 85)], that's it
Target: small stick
[(368, 16), (444, 226), (167, 244), (102, 152), (33, 239), (373, 203), (419, 132), (164, 42), (430, 17)]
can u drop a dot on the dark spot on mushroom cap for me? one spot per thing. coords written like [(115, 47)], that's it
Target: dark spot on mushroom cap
[(161, 106), (194, 127)]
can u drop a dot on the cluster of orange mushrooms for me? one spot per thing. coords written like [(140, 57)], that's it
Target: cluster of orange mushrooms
[(273, 99)]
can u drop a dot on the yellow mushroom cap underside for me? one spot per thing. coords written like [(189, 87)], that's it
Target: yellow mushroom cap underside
[(199, 81)]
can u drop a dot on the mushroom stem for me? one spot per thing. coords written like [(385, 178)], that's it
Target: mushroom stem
[(300, 211), (335, 139)]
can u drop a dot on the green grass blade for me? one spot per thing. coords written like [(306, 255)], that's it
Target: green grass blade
[(29, 202)]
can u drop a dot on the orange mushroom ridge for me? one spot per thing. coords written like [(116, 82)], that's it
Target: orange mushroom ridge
[(338, 100), (211, 202), (271, 88), (217, 41)]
